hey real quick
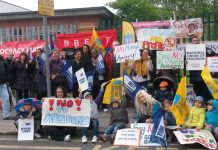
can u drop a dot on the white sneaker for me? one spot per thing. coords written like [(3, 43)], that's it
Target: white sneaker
[(84, 139), (105, 110), (67, 138), (37, 135), (94, 139)]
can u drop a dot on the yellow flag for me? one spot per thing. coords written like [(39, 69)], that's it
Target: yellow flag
[(114, 91), (210, 82), (179, 107), (128, 36), (95, 43)]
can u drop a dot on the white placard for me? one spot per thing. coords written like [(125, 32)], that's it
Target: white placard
[(127, 52), (127, 137), (25, 129), (82, 80), (195, 56), (212, 63)]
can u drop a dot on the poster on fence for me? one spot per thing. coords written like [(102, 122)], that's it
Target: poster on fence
[(127, 52), (25, 129), (212, 63), (170, 59), (212, 46), (145, 133), (195, 56), (127, 137), (66, 112), (82, 80), (188, 28), (157, 39), (191, 136)]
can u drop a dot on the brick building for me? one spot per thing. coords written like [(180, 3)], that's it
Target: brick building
[(22, 26)]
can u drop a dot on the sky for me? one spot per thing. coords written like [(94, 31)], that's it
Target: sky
[(61, 4)]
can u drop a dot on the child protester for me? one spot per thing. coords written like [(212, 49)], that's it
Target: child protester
[(27, 109), (211, 119), (163, 93), (119, 119), (196, 116), (94, 123)]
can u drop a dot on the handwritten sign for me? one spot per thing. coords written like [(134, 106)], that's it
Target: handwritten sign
[(212, 63), (25, 129), (127, 137), (195, 56), (191, 136), (170, 59), (66, 112), (157, 39), (82, 80), (145, 133), (127, 52)]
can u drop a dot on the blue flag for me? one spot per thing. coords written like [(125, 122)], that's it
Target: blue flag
[(100, 67), (130, 86), (41, 58), (89, 76), (158, 134), (68, 72)]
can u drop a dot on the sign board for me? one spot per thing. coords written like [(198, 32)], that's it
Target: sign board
[(82, 80), (127, 52), (127, 137), (145, 133), (46, 7), (25, 129), (170, 59), (66, 112), (157, 39), (191, 136), (212, 63), (195, 56), (213, 46)]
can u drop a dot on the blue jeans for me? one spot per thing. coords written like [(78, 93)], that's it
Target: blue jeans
[(5, 100), (112, 129), (94, 123)]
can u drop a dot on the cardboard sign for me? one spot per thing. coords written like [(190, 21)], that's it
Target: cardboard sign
[(25, 129), (127, 137), (191, 136), (212, 63), (145, 133), (127, 52), (82, 80), (170, 59), (195, 56), (66, 112), (157, 39)]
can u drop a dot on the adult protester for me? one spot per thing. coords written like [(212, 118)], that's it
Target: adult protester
[(86, 53), (10, 69)]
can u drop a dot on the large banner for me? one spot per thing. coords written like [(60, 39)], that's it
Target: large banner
[(21, 46), (195, 56), (170, 59), (25, 129), (191, 136), (188, 28), (151, 24), (66, 112), (78, 39), (157, 39)]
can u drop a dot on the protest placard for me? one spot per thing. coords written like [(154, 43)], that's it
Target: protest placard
[(157, 39), (25, 129), (145, 133), (127, 52), (212, 63), (190, 136), (66, 112), (181, 47), (127, 137), (212, 45), (170, 59), (195, 56), (188, 28), (82, 80)]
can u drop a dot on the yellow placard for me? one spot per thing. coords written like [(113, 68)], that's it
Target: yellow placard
[(46, 7)]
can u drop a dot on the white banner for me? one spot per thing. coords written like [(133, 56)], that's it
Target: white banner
[(25, 129), (170, 59), (145, 133), (66, 112), (127, 52), (127, 137), (82, 80), (195, 56), (212, 63)]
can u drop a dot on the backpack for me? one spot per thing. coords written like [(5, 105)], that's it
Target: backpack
[(2, 72)]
